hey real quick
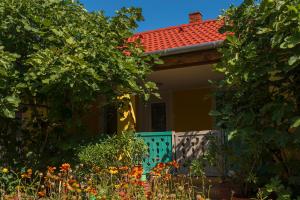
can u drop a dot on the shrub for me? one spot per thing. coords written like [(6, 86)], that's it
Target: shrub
[(259, 107), (118, 150)]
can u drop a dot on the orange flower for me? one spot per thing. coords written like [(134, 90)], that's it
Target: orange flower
[(65, 167), (161, 166), (41, 194), (174, 163), (92, 191), (138, 176), (27, 174), (137, 169), (140, 183), (124, 168), (136, 172), (155, 173), (51, 169)]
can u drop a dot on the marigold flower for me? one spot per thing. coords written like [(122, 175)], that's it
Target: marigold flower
[(136, 172), (161, 165), (65, 167), (113, 170)]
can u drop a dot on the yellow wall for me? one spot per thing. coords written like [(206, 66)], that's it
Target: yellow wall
[(191, 108)]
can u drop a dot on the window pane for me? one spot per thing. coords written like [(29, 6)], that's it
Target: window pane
[(158, 116)]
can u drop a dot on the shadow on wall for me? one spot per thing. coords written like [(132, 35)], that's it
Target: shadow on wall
[(192, 145)]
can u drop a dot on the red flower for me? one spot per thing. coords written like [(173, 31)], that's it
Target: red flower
[(136, 172), (161, 166), (174, 163), (65, 167)]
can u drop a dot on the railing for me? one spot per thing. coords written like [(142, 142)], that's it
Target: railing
[(181, 146), (159, 148)]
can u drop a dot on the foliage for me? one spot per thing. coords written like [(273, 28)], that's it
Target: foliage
[(259, 107), (274, 189), (118, 150), (56, 59)]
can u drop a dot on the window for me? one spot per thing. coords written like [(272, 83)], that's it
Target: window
[(158, 117)]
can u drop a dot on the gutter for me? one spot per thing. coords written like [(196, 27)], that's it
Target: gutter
[(187, 49)]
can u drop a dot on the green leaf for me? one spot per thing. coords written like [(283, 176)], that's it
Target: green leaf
[(57, 32), (232, 135), (296, 123), (8, 113), (293, 60), (70, 41), (264, 30), (214, 113), (291, 41), (13, 100)]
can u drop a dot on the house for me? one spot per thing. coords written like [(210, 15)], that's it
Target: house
[(189, 52)]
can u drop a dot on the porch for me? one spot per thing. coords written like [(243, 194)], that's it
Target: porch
[(186, 100), (177, 126)]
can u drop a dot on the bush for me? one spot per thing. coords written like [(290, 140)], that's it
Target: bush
[(259, 104), (118, 150)]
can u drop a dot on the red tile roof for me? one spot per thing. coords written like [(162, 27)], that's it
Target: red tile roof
[(180, 36)]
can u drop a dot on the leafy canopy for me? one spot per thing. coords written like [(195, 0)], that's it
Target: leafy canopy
[(56, 52), (261, 90), (56, 60)]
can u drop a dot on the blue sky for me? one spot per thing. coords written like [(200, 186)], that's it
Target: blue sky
[(163, 13)]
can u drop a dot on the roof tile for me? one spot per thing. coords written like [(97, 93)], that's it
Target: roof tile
[(179, 36)]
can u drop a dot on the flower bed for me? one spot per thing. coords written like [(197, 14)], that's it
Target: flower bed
[(82, 182)]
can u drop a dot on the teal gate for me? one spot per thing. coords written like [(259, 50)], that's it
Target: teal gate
[(159, 148)]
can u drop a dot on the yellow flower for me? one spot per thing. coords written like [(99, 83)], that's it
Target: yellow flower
[(117, 186), (120, 157), (113, 170), (5, 170)]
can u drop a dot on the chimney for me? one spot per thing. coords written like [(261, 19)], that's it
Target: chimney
[(195, 17)]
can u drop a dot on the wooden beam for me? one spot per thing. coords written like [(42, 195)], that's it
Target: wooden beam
[(189, 59)]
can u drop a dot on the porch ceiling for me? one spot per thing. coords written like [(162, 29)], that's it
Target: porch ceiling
[(185, 78)]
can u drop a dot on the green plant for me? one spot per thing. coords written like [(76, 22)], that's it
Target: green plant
[(274, 190), (259, 102), (8, 181), (119, 150)]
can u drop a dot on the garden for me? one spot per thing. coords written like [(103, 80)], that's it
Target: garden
[(57, 59)]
